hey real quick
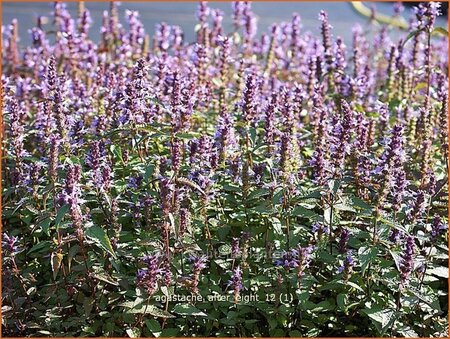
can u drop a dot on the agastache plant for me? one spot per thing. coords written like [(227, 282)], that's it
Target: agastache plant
[(148, 172)]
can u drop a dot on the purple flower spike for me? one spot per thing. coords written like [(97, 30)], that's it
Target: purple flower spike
[(341, 137), (287, 260), (235, 248), (303, 258), (343, 241), (166, 193), (319, 229), (407, 260), (347, 267), (198, 264), (236, 283), (9, 244), (395, 236), (148, 277), (437, 228)]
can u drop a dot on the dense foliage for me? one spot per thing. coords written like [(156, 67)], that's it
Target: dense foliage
[(281, 185)]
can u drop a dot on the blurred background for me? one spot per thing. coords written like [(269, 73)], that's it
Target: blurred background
[(342, 14)]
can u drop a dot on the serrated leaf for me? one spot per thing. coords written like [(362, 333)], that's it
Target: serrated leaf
[(383, 318), (355, 286), (366, 256), (439, 271), (188, 309), (105, 279), (408, 332), (99, 236), (150, 309), (430, 299), (132, 304), (300, 211), (276, 224)]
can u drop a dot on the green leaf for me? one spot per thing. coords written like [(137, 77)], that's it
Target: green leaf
[(391, 223), (382, 318), (407, 331), (397, 258), (355, 286), (167, 291), (295, 334), (276, 223), (45, 225), (105, 279), (132, 304), (334, 186), (188, 309), (258, 193), (150, 309), (88, 303), (149, 171), (412, 35), (73, 250), (169, 332), (187, 136), (357, 202), (40, 246), (133, 332), (427, 297), (300, 211), (61, 213), (440, 30), (153, 326), (99, 236), (117, 151), (366, 256), (439, 271), (340, 300), (343, 206)]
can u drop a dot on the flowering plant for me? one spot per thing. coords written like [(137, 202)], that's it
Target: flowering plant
[(151, 185)]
